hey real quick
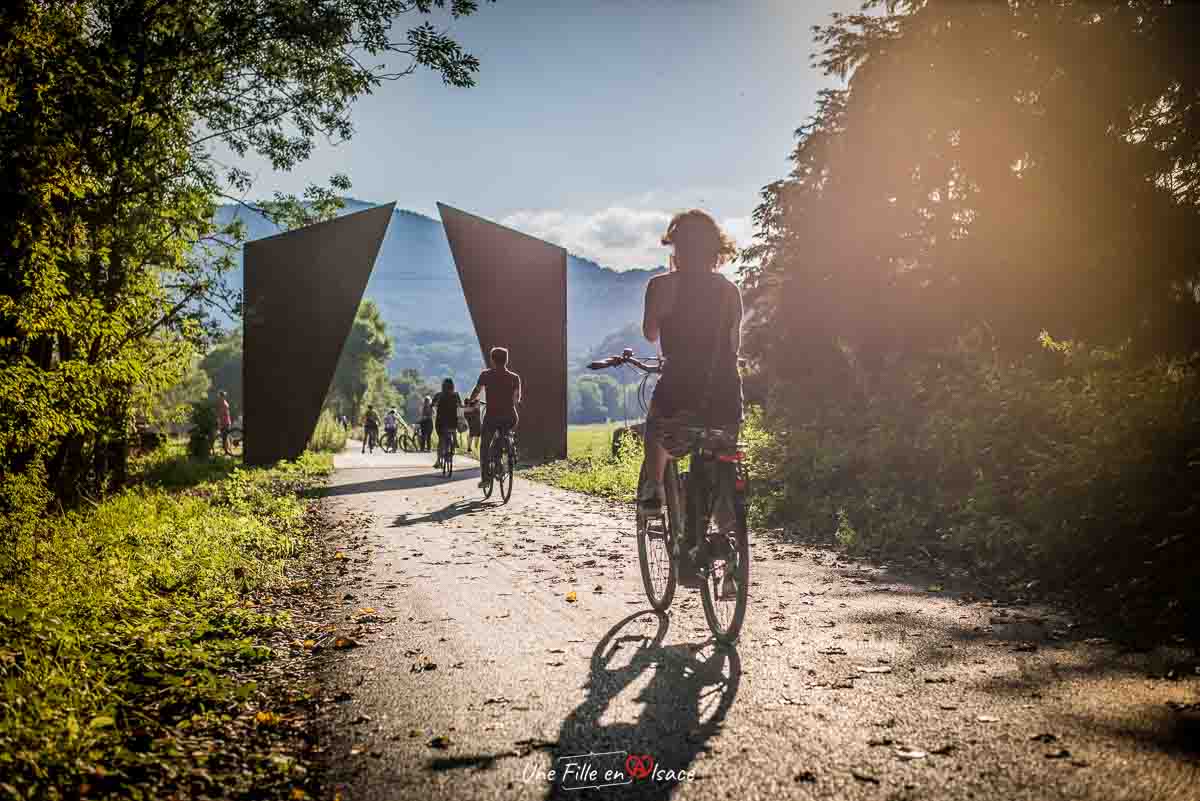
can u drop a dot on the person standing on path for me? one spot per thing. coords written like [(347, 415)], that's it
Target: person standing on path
[(426, 423), (503, 389), (224, 417), (473, 413)]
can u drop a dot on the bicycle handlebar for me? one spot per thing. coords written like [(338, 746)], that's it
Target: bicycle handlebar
[(628, 358)]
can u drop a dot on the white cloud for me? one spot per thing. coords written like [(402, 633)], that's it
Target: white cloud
[(619, 237)]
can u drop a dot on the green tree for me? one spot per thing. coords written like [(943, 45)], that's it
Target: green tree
[(223, 365), (110, 112), (361, 377), (1002, 166), (172, 404)]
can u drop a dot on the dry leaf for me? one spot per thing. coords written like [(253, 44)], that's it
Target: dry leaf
[(572, 597)]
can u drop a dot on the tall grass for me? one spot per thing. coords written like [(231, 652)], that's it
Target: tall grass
[(124, 629), (593, 470), (329, 436)]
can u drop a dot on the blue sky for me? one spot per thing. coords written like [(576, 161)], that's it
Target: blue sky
[(592, 122)]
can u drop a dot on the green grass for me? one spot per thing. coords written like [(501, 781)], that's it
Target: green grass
[(125, 627), (328, 436), (591, 440), (589, 466)]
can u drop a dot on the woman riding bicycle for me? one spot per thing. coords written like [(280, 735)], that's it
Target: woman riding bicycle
[(695, 313), (445, 409)]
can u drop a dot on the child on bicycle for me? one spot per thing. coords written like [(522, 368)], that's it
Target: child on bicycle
[(445, 417)]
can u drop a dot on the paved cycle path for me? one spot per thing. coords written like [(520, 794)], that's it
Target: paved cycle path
[(475, 672)]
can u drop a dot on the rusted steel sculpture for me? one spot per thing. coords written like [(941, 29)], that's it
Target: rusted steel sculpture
[(302, 290), (516, 290)]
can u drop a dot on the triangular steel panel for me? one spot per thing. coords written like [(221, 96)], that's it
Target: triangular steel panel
[(302, 291), (516, 290)]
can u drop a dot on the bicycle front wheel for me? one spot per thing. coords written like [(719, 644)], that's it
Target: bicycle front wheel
[(655, 536), (726, 586)]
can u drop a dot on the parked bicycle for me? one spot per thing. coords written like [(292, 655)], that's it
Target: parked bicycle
[(229, 441), (503, 462), (699, 538)]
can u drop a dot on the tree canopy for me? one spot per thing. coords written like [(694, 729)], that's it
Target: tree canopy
[(111, 113), (1007, 167)]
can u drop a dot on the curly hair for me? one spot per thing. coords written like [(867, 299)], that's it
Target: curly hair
[(698, 233)]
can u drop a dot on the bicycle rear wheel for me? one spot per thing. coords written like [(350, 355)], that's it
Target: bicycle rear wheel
[(655, 536), (726, 587), (508, 465), (233, 442)]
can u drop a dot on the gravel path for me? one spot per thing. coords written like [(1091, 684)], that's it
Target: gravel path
[(475, 674)]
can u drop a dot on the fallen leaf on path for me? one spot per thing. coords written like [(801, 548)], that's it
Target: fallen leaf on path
[(345, 642), (911, 753), (572, 597), (987, 719), (440, 741)]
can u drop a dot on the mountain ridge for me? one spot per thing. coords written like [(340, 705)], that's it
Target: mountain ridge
[(416, 287)]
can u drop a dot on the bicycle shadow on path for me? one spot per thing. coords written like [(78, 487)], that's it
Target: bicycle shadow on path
[(690, 690), (460, 507), (426, 478)]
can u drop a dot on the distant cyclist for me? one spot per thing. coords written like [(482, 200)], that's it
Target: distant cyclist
[(503, 389), (370, 428), (390, 423), (445, 416), (697, 314)]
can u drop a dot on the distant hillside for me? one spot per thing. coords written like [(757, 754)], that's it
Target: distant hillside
[(417, 289)]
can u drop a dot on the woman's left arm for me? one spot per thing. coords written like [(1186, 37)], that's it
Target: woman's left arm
[(649, 314)]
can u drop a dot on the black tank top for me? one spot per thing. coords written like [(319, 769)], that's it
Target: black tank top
[(447, 409), (695, 337)]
